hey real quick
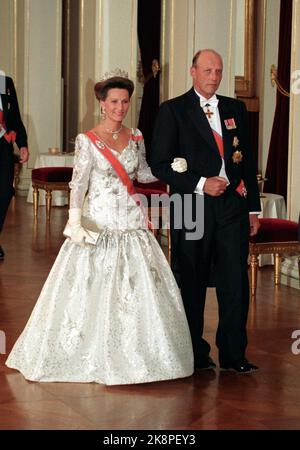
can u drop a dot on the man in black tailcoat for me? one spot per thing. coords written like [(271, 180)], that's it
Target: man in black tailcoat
[(11, 130), (208, 134)]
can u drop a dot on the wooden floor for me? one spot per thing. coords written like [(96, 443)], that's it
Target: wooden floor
[(269, 399)]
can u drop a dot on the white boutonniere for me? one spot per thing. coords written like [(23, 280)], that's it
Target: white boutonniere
[(179, 165)]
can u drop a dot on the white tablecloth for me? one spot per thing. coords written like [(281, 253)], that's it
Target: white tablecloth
[(59, 198), (272, 206)]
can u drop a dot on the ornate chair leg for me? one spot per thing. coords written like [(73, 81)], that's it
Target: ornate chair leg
[(48, 204), (69, 192), (35, 202), (253, 275), (16, 174), (277, 258)]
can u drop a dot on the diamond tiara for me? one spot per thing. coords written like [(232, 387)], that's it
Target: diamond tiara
[(114, 73)]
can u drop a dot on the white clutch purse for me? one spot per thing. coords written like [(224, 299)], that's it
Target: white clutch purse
[(91, 239)]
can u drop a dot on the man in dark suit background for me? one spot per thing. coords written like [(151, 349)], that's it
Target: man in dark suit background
[(208, 135), (11, 130)]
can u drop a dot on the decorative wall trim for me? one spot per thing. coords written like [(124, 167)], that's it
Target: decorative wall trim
[(244, 84), (260, 93), (81, 49), (26, 67), (58, 86), (230, 70), (163, 58), (99, 31), (171, 50), (293, 177), (15, 40), (133, 60)]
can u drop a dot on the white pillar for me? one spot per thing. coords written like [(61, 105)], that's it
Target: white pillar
[(108, 40), (290, 267), (7, 29), (188, 26), (293, 203), (39, 72), (267, 94)]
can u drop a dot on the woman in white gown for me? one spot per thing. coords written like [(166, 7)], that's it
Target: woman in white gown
[(108, 313)]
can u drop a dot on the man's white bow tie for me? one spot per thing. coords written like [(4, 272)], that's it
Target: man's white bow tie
[(213, 103)]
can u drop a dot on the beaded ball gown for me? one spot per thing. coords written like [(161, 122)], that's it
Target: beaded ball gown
[(112, 312)]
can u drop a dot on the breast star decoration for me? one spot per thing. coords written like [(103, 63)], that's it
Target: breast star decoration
[(237, 156)]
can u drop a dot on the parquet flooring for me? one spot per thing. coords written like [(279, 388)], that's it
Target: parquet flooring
[(269, 399)]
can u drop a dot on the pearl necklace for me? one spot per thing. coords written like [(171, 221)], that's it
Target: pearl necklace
[(115, 133)]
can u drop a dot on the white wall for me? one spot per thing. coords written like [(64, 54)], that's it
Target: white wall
[(290, 265), (31, 30), (43, 74), (6, 36), (268, 92), (215, 28), (294, 136), (116, 43), (189, 26)]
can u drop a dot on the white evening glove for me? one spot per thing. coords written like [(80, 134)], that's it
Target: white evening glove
[(78, 233), (179, 165)]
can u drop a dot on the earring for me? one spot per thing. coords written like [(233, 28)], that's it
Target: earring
[(102, 113)]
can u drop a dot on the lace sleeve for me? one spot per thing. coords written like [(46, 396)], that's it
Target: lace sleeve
[(144, 174), (82, 166)]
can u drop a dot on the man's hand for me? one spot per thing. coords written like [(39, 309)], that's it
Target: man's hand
[(24, 155), (215, 186), (254, 224)]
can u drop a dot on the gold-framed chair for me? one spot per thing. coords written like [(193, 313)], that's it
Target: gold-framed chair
[(275, 236), (49, 179)]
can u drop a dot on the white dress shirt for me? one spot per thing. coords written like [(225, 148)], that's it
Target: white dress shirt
[(215, 123), (1, 107)]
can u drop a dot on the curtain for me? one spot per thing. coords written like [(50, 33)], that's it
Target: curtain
[(277, 164), (149, 42)]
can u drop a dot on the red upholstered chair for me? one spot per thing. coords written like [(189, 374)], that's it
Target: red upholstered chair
[(50, 179), (148, 189), (277, 237)]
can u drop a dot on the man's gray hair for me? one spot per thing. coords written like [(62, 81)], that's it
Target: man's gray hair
[(204, 50)]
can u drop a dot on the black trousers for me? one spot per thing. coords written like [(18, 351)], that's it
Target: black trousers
[(6, 178), (223, 250)]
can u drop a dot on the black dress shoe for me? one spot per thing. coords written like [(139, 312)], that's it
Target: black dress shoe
[(241, 367), (2, 254), (206, 364)]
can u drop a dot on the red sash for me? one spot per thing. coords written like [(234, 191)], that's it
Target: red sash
[(120, 171), (9, 136), (219, 140)]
